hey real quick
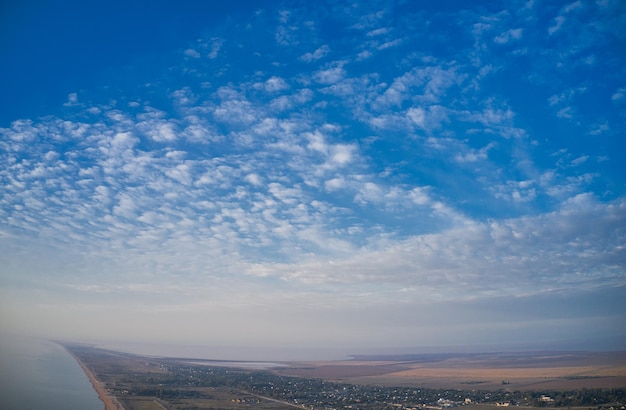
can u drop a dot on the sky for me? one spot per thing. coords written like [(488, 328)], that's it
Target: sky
[(285, 178)]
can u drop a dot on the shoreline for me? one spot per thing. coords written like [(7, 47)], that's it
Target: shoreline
[(110, 402)]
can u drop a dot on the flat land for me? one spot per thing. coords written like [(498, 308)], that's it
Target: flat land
[(492, 371), (132, 382)]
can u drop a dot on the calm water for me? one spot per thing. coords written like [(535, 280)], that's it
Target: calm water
[(38, 375)]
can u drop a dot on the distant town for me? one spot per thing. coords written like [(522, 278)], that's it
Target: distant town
[(144, 383)]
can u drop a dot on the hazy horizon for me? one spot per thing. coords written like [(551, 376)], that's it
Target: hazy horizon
[(340, 177), (252, 353)]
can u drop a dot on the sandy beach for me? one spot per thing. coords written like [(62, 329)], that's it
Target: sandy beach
[(110, 403)]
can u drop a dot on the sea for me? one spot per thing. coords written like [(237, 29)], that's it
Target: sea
[(37, 374)]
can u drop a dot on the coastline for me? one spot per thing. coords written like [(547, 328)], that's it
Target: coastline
[(110, 402)]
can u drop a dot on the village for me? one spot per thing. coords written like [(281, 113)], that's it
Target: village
[(140, 383)]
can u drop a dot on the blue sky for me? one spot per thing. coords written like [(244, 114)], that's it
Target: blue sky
[(341, 175)]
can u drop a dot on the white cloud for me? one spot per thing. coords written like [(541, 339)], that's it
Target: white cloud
[(420, 196), (123, 141), (473, 155), (429, 118), (341, 154), (580, 160), (275, 84), (184, 96), (619, 94), (165, 132), (318, 54), (216, 45), (389, 44), (180, 173), (566, 112), (507, 36), (364, 55), (190, 52), (562, 17), (72, 100), (287, 195), (254, 179), (235, 111), (125, 207), (556, 99), (431, 81), (516, 191), (577, 5), (558, 23), (335, 184), (601, 128), (472, 258), (493, 117), (369, 192), (287, 102), (378, 32), (330, 76), (417, 116)]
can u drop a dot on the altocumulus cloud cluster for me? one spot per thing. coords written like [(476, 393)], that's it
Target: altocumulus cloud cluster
[(357, 175)]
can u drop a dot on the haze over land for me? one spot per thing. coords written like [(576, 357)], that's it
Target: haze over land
[(280, 179)]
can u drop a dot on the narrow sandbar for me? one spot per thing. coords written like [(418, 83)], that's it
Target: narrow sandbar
[(110, 403)]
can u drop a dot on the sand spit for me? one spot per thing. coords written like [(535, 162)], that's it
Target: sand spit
[(110, 402)]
